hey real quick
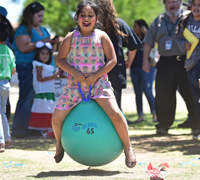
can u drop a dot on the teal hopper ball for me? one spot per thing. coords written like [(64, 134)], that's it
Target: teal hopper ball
[(88, 135)]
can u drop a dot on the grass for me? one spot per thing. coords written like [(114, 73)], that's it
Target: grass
[(36, 154)]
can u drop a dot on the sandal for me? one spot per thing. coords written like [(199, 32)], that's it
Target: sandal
[(59, 156), (131, 163)]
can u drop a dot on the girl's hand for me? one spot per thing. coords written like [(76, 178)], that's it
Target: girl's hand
[(188, 46), (79, 76), (90, 78)]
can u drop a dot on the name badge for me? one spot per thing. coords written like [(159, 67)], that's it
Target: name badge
[(168, 44)]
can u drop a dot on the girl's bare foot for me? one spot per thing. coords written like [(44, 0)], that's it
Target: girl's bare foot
[(59, 154), (130, 158)]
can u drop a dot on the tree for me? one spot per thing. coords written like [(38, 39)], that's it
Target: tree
[(130, 10), (58, 16), (59, 13)]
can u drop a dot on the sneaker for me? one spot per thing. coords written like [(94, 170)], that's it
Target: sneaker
[(8, 144), (161, 131), (2, 147), (196, 134)]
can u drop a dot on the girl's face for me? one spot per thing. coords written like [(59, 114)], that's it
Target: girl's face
[(195, 8), (44, 55), (37, 18), (86, 20)]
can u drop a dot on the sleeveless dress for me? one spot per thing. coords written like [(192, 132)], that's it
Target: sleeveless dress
[(86, 55)]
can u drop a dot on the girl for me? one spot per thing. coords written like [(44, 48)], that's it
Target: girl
[(192, 65), (141, 80), (43, 84), (96, 73)]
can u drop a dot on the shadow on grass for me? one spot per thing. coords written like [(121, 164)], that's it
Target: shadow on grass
[(94, 172), (34, 144), (166, 143)]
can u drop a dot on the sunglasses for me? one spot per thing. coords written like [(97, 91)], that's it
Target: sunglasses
[(35, 5), (40, 44)]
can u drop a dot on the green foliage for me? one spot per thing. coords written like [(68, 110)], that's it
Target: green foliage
[(58, 13), (130, 10)]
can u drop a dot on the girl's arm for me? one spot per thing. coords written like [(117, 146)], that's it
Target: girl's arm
[(25, 45), (41, 78), (62, 55), (109, 51)]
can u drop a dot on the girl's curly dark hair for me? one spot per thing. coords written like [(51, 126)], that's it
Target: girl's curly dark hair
[(108, 18)]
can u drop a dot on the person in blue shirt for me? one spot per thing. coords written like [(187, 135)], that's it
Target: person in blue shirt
[(26, 36)]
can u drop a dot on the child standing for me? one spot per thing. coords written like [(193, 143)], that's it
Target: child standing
[(192, 65), (84, 46), (43, 84), (7, 68)]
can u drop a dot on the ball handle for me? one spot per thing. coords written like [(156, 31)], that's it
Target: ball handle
[(81, 92)]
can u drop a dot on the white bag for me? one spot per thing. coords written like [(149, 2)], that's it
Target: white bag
[(153, 56)]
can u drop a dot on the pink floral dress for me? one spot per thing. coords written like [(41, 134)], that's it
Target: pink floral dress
[(86, 55)]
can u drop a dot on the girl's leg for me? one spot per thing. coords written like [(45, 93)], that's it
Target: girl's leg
[(58, 118), (112, 110)]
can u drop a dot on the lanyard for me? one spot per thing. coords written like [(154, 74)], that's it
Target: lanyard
[(170, 32)]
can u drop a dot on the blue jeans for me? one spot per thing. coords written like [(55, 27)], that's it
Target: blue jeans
[(143, 82), (4, 126), (24, 104), (193, 77)]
